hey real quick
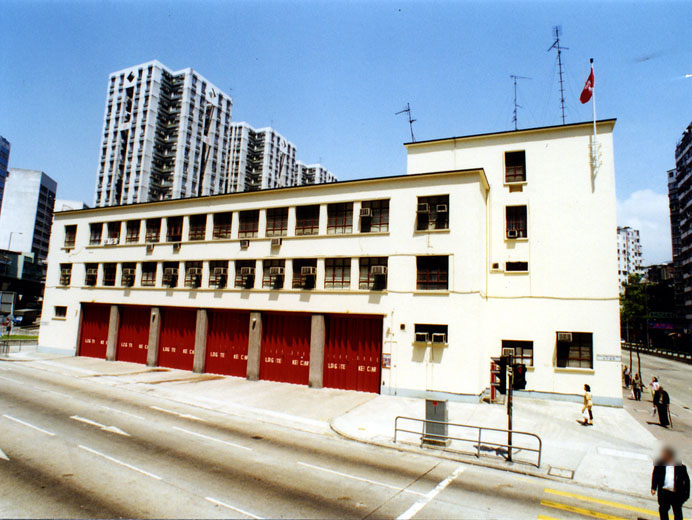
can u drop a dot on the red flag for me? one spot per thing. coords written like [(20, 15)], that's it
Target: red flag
[(588, 88)]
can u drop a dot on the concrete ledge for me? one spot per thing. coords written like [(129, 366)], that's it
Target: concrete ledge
[(53, 350), (423, 394)]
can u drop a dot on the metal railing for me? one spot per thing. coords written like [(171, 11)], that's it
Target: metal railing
[(685, 357), (480, 444), (7, 344)]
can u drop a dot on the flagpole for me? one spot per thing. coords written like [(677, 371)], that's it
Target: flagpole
[(593, 105)]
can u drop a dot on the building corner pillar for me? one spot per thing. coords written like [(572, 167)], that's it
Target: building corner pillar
[(317, 337), (113, 325), (200, 341), (153, 343), (254, 347)]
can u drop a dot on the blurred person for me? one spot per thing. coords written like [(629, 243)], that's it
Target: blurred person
[(637, 387), (662, 404), (672, 483), (588, 404), (627, 374), (653, 387)]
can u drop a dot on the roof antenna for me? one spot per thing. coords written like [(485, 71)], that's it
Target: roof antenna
[(514, 116), (407, 110), (556, 45)]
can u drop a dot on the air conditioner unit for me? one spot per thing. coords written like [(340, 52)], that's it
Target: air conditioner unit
[(92, 271), (495, 266), (194, 271), (276, 242), (378, 270), (564, 337), (439, 337), (422, 337), (220, 271), (128, 271), (177, 246), (276, 271), (423, 207), (441, 208), (111, 242), (512, 233), (365, 212), (247, 271), (150, 248), (170, 271), (308, 270), (244, 244)]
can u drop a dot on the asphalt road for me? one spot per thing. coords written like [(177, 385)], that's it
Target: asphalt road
[(73, 448)]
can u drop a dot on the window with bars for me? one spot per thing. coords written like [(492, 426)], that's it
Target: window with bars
[(114, 230), (132, 231), (243, 278), (149, 274), (91, 274), (577, 353), (198, 227), (372, 279), (374, 216), (127, 275), (70, 235), (432, 213), (170, 274), (248, 223), (218, 273), (523, 351), (515, 166), (307, 220), (337, 273), (109, 275), (304, 278), (516, 222), (277, 222), (272, 276), (340, 218), (432, 272), (65, 274), (174, 229), (153, 232), (222, 225), (193, 274), (95, 231)]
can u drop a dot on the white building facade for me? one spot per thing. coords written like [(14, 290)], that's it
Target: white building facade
[(401, 285), (629, 254)]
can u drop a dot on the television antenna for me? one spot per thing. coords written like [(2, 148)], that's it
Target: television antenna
[(556, 45), (407, 110), (514, 116)]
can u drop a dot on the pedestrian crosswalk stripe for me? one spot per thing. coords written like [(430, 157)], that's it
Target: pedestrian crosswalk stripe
[(601, 501), (544, 517), (580, 510)]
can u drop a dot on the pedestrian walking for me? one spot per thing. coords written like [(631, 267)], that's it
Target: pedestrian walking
[(662, 404), (637, 387), (588, 404), (627, 374), (672, 483), (653, 388)]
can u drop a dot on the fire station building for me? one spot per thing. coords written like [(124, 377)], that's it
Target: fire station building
[(403, 285)]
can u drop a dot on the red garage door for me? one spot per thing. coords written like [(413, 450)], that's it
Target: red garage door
[(177, 338), (133, 334), (352, 352), (94, 336), (285, 347), (227, 340)]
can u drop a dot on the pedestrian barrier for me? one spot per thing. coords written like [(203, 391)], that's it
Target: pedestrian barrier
[(685, 357), (481, 445)]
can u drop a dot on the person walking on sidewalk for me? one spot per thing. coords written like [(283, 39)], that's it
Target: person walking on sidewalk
[(626, 373), (672, 483), (653, 388), (637, 387), (662, 404), (588, 404)]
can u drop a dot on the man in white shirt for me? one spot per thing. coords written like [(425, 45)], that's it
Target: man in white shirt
[(671, 482)]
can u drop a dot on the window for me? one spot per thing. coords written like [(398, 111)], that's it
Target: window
[(59, 311), (428, 333), (132, 231), (307, 220), (337, 273), (523, 351), (245, 274), (174, 229), (248, 224), (114, 231), (149, 274), (153, 229), (516, 222), (517, 267), (432, 272), (65, 274), (127, 276), (218, 273), (198, 227), (109, 275), (277, 222), (340, 218), (432, 213), (575, 350), (515, 166), (304, 273), (222, 225), (373, 279), (91, 275), (193, 274), (374, 216), (70, 235), (170, 274), (95, 234), (273, 274)]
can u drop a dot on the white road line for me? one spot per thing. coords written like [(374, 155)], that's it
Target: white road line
[(415, 508), (103, 427), (122, 412), (125, 464), (60, 394), (237, 510), (3, 456), (183, 415), (28, 425), (212, 438), (354, 477)]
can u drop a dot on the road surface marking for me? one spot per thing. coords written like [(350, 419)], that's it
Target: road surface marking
[(3, 456), (112, 429), (580, 510), (124, 413), (624, 454), (27, 424), (125, 464), (183, 415), (354, 477), (544, 517), (212, 438), (60, 394), (601, 501), (430, 495), (241, 511)]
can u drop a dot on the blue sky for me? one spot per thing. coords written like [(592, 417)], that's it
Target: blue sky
[(330, 75)]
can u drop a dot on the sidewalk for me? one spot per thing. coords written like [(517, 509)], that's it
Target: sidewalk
[(613, 454)]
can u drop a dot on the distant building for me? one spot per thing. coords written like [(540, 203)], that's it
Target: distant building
[(23, 275), (69, 205), (659, 273), (4, 165), (27, 215), (314, 174), (629, 254)]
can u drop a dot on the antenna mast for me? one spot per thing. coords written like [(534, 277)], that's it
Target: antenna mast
[(407, 110), (514, 116), (556, 45)]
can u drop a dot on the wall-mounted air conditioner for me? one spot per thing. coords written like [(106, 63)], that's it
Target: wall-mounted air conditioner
[(244, 244), (276, 271), (220, 271), (422, 337), (276, 242), (170, 271), (195, 271), (512, 233), (423, 207), (565, 337), (150, 248), (308, 270), (378, 270), (365, 212), (247, 271), (439, 337), (441, 208)]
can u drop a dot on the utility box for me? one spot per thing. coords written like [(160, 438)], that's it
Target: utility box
[(436, 410)]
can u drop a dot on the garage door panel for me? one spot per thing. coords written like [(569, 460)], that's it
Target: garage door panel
[(227, 342), (286, 347), (133, 334), (177, 338), (93, 338)]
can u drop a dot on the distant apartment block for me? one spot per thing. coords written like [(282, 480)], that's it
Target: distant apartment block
[(314, 174), (629, 254), (27, 216), (4, 165), (165, 136), (69, 205)]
